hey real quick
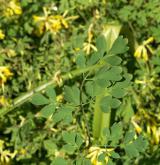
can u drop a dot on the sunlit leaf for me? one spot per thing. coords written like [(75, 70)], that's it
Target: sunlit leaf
[(39, 99)]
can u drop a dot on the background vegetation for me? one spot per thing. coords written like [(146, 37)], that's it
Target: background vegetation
[(79, 82)]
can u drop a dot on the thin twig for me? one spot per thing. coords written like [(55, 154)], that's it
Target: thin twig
[(82, 108)]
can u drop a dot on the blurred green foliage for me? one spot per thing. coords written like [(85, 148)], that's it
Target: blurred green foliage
[(103, 107)]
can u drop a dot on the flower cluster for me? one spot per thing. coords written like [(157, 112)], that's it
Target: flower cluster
[(88, 46), (5, 155), (52, 23), (150, 122), (95, 152), (12, 8), (144, 51)]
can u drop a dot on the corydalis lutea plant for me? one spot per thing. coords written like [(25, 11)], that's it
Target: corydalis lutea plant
[(101, 85)]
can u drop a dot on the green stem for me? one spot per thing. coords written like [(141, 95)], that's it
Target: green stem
[(22, 99), (101, 120)]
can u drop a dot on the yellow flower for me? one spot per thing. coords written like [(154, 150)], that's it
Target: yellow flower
[(5, 155), (10, 52), (155, 134), (88, 46), (3, 101), (149, 121), (12, 8), (148, 41), (137, 127), (5, 73), (1, 35), (52, 23), (22, 151), (144, 51), (94, 153), (59, 98)]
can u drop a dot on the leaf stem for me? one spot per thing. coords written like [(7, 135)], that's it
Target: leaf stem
[(83, 112), (25, 97)]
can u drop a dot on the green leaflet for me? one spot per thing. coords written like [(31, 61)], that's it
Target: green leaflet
[(73, 141), (59, 161), (126, 110), (113, 60), (69, 137), (48, 110), (39, 99), (50, 146), (101, 157), (83, 161), (81, 60), (105, 104), (115, 155), (118, 92), (113, 74), (63, 114), (115, 103), (134, 148), (116, 133), (113, 134), (50, 102), (72, 95), (129, 136), (93, 59), (50, 92), (101, 45), (119, 46)]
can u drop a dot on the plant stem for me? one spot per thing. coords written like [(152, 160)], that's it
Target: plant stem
[(24, 98), (101, 120), (83, 112)]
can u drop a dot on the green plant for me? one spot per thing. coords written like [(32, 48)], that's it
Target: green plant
[(73, 91), (103, 85)]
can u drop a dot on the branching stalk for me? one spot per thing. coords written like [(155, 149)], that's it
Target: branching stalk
[(24, 98)]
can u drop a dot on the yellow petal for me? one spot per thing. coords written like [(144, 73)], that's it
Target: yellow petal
[(155, 133), (65, 24), (149, 40), (13, 7), (137, 127), (1, 35), (3, 101), (37, 18), (144, 54), (138, 52)]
